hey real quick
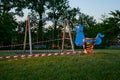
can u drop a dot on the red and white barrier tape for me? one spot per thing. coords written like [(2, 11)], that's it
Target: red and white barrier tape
[(16, 45), (37, 55)]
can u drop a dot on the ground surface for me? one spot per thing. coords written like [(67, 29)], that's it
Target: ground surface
[(103, 65)]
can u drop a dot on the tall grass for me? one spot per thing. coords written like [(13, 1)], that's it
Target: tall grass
[(103, 65)]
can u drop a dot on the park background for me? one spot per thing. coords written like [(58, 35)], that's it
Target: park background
[(97, 16)]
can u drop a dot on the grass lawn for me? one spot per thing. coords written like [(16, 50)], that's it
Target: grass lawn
[(103, 65)]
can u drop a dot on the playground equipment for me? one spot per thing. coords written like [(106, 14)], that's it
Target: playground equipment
[(47, 41), (87, 43), (65, 24)]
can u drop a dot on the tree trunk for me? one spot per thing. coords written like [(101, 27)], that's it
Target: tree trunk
[(40, 29)]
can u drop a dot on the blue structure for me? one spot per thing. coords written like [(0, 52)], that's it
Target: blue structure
[(98, 39), (80, 36)]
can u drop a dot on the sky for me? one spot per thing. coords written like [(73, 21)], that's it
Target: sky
[(96, 8)]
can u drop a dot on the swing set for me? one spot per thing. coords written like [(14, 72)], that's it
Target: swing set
[(65, 24), (87, 43)]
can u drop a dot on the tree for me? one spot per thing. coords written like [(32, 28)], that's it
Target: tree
[(7, 25), (112, 24), (109, 27), (72, 16), (38, 7), (8, 22), (58, 11)]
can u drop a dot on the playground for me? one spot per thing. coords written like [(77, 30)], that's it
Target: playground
[(57, 43), (59, 40), (55, 56)]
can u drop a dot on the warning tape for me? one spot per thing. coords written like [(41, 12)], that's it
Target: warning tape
[(37, 55), (16, 45)]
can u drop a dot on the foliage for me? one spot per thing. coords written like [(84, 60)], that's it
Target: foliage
[(7, 5), (110, 27), (111, 24), (7, 26), (38, 7), (58, 9)]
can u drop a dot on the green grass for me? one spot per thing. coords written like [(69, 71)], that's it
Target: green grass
[(6, 53), (104, 65)]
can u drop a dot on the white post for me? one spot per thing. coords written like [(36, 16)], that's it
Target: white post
[(30, 41), (25, 37), (71, 41), (63, 39)]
